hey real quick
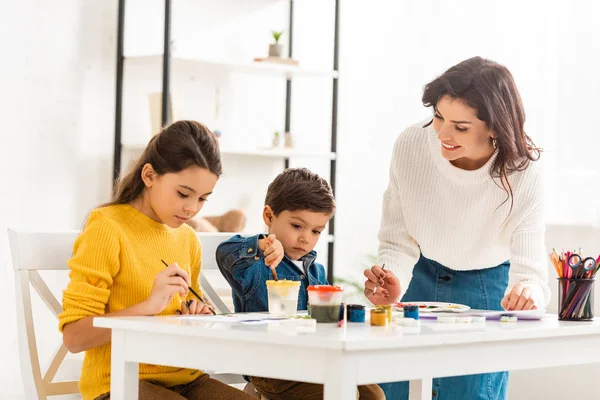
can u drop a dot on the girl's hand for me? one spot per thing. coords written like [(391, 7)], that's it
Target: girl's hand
[(388, 286), (194, 307), (169, 281), (519, 298), (273, 251)]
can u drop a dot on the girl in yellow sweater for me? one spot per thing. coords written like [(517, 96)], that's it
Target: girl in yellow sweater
[(116, 268)]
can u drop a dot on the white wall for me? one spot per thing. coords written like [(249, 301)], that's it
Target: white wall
[(252, 107), (56, 145), (56, 75), (391, 49)]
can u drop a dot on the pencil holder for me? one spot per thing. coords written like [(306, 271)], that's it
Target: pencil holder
[(576, 299)]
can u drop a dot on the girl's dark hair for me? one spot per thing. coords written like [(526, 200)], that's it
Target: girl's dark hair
[(489, 88), (178, 146)]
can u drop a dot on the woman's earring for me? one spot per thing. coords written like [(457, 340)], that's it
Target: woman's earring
[(494, 143)]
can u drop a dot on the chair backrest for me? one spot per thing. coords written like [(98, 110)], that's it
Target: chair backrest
[(30, 253), (35, 251), (210, 242)]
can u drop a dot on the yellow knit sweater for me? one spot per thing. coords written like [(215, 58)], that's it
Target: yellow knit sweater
[(115, 260)]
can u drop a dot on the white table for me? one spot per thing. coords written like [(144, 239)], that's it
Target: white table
[(343, 358)]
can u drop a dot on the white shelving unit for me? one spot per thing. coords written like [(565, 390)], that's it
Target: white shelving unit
[(171, 60), (251, 67), (267, 152)]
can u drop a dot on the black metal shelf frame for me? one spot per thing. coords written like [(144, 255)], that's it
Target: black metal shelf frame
[(166, 83)]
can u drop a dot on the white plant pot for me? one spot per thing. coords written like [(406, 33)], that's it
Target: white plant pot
[(275, 50)]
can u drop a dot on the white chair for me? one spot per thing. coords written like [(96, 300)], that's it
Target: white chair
[(35, 251), (210, 242)]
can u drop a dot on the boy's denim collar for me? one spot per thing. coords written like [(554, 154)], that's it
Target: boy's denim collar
[(308, 259)]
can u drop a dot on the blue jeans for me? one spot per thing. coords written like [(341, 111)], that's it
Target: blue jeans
[(479, 289)]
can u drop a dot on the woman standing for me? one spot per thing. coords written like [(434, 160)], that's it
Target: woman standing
[(463, 212)]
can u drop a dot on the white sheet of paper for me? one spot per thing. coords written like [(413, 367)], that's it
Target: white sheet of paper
[(244, 318), (522, 315), (532, 315)]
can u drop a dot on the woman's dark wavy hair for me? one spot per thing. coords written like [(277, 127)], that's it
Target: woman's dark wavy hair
[(489, 88)]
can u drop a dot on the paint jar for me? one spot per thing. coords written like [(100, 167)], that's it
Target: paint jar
[(356, 313), (576, 299), (388, 312), (325, 302), (378, 317), (283, 297), (411, 312)]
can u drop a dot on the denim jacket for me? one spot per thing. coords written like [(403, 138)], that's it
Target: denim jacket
[(243, 265)]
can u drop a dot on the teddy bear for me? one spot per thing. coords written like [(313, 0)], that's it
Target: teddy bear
[(231, 221)]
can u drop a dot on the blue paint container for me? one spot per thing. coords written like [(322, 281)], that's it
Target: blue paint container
[(356, 313), (411, 312)]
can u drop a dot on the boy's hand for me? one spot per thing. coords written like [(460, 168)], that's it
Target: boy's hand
[(273, 252)]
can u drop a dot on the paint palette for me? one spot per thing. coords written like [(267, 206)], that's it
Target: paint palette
[(432, 306)]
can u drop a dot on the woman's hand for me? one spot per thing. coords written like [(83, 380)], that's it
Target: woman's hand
[(519, 298), (169, 281), (382, 286), (194, 307)]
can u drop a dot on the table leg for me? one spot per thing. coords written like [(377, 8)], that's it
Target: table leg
[(420, 389), (340, 380), (124, 380)]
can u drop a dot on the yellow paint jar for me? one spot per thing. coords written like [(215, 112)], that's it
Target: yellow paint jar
[(388, 312), (379, 317)]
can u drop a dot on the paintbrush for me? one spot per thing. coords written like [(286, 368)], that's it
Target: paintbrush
[(195, 294), (377, 283), (274, 274), (262, 236)]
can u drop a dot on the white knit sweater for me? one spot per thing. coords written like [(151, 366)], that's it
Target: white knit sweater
[(456, 217)]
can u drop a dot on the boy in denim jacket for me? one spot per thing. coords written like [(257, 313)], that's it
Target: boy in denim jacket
[(298, 205)]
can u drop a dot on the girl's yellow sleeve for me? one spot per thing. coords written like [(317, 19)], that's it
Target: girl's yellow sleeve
[(94, 264)]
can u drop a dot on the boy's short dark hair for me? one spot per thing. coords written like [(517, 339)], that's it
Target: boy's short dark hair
[(300, 189)]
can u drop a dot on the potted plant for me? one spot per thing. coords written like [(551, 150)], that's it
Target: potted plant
[(276, 49), (275, 142)]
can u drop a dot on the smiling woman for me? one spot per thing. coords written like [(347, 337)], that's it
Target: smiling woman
[(482, 100), (465, 139), (462, 215)]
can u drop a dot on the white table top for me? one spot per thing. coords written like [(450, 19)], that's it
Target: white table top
[(354, 336)]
